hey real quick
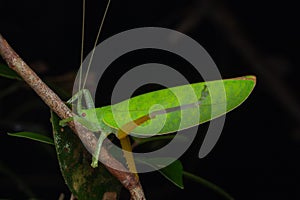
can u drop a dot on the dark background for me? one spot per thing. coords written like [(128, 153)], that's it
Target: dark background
[(258, 152)]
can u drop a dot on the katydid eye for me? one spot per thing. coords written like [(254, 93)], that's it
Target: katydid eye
[(83, 114)]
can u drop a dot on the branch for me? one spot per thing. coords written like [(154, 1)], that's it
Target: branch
[(128, 180)]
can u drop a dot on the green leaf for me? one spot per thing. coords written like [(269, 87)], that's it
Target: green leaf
[(208, 184), (172, 172), (224, 96), (33, 136), (85, 182), (6, 72)]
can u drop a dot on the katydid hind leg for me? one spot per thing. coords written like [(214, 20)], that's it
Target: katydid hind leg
[(122, 135), (127, 152)]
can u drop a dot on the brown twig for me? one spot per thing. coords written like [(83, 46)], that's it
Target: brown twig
[(14, 61)]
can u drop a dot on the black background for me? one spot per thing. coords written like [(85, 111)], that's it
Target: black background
[(257, 154)]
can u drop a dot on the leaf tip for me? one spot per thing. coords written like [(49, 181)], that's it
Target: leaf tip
[(248, 77), (251, 77)]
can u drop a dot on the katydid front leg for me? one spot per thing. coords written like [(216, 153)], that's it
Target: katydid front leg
[(88, 100)]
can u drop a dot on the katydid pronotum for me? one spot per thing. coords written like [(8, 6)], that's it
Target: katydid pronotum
[(135, 115)]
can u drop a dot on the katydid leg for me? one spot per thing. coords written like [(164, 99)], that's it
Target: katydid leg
[(95, 127), (78, 96), (122, 135), (96, 153)]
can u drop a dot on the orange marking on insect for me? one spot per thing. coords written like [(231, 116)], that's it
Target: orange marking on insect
[(127, 128)]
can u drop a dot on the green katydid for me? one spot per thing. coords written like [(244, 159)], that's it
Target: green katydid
[(193, 101), (115, 119)]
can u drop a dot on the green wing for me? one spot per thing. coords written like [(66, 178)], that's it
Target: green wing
[(224, 96)]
